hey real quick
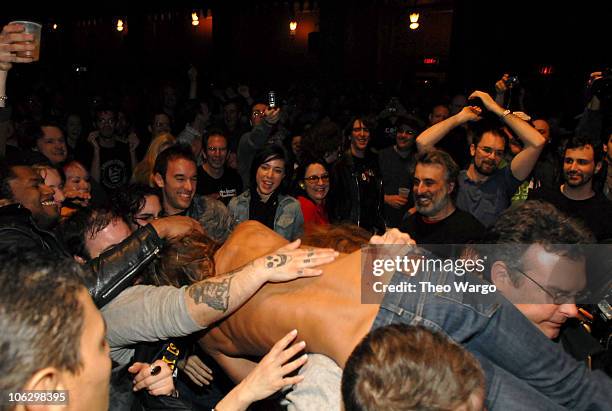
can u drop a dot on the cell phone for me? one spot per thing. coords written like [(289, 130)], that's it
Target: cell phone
[(272, 99)]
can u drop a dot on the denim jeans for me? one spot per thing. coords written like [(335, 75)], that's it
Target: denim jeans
[(514, 353)]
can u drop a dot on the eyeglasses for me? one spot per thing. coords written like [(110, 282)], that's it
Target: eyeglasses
[(106, 121), (406, 130), (315, 179), (258, 113), (561, 297), (488, 151), (217, 149)]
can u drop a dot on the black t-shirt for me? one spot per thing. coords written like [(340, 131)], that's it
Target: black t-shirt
[(115, 164), (395, 171), (227, 187), (595, 212), (458, 228)]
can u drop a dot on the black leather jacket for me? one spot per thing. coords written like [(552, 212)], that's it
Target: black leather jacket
[(113, 271), (356, 193), (116, 268)]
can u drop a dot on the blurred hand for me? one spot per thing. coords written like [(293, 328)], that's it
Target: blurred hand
[(469, 113), (269, 375), (93, 140), (77, 195), (196, 370), (12, 40), (272, 115), (176, 227), (290, 262), (133, 142), (392, 237), (500, 85), (396, 200), (243, 90), (159, 384), (488, 102)]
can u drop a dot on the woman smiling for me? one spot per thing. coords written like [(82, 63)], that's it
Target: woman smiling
[(264, 201), (312, 190)]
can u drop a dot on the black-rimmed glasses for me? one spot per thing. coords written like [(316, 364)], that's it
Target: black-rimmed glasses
[(560, 297)]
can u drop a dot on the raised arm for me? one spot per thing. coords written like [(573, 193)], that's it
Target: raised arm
[(215, 298), (431, 136), (533, 141)]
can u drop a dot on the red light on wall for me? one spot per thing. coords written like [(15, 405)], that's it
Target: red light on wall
[(546, 70), (430, 60)]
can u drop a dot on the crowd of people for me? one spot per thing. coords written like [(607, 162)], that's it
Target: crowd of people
[(194, 241)]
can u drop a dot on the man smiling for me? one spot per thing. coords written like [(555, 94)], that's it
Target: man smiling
[(576, 196), (175, 173)]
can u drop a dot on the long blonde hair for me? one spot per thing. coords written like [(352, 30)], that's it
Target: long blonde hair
[(143, 172)]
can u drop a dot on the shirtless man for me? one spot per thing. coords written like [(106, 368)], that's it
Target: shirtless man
[(523, 372)]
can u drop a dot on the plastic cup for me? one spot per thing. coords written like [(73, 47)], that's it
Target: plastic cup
[(35, 29), (403, 192)]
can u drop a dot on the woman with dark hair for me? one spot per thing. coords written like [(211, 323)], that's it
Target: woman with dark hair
[(312, 188), (357, 197), (138, 204), (264, 201)]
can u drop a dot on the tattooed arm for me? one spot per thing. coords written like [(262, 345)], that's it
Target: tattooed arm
[(215, 298)]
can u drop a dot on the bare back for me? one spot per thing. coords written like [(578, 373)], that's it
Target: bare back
[(326, 310)]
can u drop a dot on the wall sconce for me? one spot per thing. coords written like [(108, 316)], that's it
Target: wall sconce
[(546, 70), (194, 19), (292, 27), (119, 25), (414, 21)]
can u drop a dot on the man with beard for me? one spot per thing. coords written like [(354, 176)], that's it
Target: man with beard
[(28, 212), (395, 163), (175, 173), (437, 220), (485, 190), (576, 197)]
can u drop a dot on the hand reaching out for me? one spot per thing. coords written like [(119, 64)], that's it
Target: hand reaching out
[(290, 262), (161, 383), (12, 40), (268, 376), (196, 370)]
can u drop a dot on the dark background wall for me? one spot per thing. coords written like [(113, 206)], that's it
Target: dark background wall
[(473, 41)]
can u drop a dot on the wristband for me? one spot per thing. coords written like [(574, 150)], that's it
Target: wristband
[(505, 113)]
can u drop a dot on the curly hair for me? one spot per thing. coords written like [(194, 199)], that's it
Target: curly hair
[(344, 238), (535, 222), (323, 138), (184, 261), (129, 200)]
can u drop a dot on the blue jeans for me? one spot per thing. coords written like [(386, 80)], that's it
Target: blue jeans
[(513, 352)]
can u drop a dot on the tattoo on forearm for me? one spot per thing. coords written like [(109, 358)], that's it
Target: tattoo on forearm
[(277, 260), (214, 293)]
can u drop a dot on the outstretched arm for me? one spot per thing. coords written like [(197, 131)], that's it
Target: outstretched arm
[(267, 377), (215, 298), (431, 136), (533, 142)]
